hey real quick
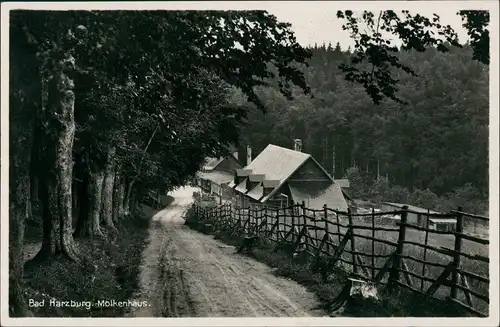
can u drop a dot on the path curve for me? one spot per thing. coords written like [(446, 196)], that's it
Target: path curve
[(189, 274)]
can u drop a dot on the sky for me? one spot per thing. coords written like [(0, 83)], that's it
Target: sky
[(319, 24)]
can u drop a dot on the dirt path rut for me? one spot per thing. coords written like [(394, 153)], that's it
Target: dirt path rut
[(189, 274)]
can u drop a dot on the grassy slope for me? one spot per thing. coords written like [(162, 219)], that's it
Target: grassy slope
[(108, 272)]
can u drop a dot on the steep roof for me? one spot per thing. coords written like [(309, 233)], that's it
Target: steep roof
[(212, 163), (277, 163), (317, 194), (217, 177)]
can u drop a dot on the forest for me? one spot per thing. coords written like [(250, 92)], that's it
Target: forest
[(106, 107), (433, 148)]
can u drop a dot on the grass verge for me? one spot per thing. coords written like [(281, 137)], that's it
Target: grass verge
[(395, 303), (108, 271)]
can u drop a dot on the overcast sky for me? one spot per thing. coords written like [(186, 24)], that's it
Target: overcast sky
[(319, 24)]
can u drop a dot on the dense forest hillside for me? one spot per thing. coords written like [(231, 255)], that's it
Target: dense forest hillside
[(437, 141)]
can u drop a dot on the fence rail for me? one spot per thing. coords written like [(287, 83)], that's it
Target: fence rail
[(433, 263)]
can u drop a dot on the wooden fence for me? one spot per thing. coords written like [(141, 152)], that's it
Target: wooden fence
[(441, 264)]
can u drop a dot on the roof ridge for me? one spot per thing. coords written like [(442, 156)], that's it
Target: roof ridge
[(288, 149)]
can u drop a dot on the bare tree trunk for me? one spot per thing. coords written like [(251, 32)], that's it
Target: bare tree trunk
[(89, 220), (126, 200), (107, 191), (116, 200), (133, 203), (128, 194), (29, 210), (82, 225), (95, 193), (19, 190), (118, 195), (20, 141), (58, 121), (121, 197)]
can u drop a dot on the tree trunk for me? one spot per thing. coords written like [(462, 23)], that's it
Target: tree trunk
[(82, 225), (29, 209), (58, 122), (89, 220), (19, 189), (118, 196), (121, 196), (20, 142), (133, 203), (95, 192), (126, 199), (107, 191)]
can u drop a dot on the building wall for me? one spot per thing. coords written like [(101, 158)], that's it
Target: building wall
[(229, 165), (309, 170), (205, 185)]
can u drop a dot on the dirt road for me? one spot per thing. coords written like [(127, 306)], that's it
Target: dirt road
[(189, 274)]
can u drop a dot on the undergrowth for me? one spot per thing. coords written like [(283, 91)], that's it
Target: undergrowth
[(108, 271)]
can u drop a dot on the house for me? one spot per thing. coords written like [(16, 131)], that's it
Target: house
[(280, 177), (419, 216), (216, 174)]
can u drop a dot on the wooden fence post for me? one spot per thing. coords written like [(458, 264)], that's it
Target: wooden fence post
[(325, 214), (394, 274), (265, 217), (353, 244), (456, 255), (278, 224), (373, 243), (425, 249), (304, 213), (304, 219)]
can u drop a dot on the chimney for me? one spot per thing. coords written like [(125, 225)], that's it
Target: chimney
[(249, 155), (297, 145)]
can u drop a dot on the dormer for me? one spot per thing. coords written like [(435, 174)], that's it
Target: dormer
[(240, 175), (269, 186), (253, 180)]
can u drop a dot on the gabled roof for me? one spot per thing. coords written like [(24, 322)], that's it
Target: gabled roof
[(277, 163), (317, 194), (217, 177), (212, 163)]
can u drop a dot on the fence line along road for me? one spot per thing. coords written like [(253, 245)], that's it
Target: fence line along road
[(434, 263)]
